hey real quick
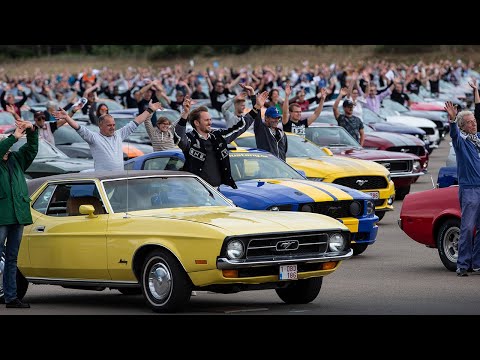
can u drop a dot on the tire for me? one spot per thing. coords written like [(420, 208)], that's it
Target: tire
[(165, 285), (359, 248), (22, 283), (402, 192), (301, 291), (130, 291), (380, 214), (447, 243)]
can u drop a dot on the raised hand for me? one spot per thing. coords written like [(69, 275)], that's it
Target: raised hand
[(186, 105), (451, 110), (248, 88), (288, 91), (323, 93), (343, 91), (261, 99), (60, 114), (473, 84)]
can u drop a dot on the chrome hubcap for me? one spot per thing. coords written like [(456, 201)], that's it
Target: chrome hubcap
[(450, 243), (160, 281)]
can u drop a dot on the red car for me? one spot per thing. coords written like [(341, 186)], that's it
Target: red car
[(432, 218), (426, 106), (404, 168), (388, 141)]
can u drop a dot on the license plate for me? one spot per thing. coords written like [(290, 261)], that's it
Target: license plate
[(373, 194), (288, 272)]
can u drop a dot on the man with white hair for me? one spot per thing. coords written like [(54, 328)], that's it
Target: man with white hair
[(465, 141)]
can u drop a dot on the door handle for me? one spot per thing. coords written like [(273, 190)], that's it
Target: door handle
[(40, 228)]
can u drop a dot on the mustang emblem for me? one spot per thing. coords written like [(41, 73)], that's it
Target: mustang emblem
[(361, 182), (387, 165), (287, 245), (333, 209), (404, 150)]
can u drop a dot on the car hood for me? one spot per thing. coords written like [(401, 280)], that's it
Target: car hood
[(394, 139), (62, 165), (398, 128), (333, 165), (373, 155), (287, 191), (410, 120), (237, 221)]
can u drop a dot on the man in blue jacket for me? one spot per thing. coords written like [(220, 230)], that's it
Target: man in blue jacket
[(465, 140), (15, 204)]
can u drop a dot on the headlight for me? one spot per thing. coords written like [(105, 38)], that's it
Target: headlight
[(273, 208), (336, 242), (418, 136), (355, 208), (389, 177), (370, 207), (235, 249), (416, 166), (306, 208)]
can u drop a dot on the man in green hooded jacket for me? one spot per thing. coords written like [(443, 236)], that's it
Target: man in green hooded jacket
[(14, 205)]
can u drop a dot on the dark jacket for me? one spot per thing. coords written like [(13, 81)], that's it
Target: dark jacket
[(14, 199), (193, 147), (267, 141)]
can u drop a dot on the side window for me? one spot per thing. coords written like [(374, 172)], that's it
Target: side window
[(165, 163), (129, 166), (42, 201), (67, 198)]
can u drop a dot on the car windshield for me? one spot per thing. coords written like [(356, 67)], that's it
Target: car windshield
[(300, 147), (330, 136), (371, 117), (45, 149), (248, 166), (393, 105), (160, 192), (328, 118)]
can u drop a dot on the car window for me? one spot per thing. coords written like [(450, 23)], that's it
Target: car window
[(163, 163), (300, 147), (160, 192), (247, 166), (45, 149), (43, 200), (67, 198), (248, 142)]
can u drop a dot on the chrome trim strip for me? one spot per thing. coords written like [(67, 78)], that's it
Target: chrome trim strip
[(83, 282), (398, 175), (224, 263)]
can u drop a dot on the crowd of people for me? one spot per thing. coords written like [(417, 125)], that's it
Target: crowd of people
[(205, 148)]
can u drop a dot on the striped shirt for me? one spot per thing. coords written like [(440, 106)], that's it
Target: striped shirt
[(161, 140)]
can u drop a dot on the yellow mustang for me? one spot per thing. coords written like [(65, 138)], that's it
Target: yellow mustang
[(167, 233), (321, 165)]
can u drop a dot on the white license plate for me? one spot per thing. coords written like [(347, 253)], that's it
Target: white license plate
[(288, 272), (373, 194)]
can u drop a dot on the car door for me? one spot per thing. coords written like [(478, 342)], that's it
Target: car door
[(63, 243)]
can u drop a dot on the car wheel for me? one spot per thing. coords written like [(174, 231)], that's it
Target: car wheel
[(359, 248), (400, 193), (130, 291), (380, 214), (447, 243), (300, 291), (165, 285), (22, 283)]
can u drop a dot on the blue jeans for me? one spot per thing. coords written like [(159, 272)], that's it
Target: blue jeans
[(13, 235), (468, 246)]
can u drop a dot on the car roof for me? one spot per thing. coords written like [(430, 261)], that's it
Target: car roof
[(101, 175)]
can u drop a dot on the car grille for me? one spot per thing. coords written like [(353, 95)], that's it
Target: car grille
[(416, 150), (397, 166), (299, 244), (359, 183), (378, 202), (335, 209), (428, 130)]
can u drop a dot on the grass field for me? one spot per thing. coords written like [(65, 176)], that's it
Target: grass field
[(285, 55)]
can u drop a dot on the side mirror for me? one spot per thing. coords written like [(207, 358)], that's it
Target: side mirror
[(88, 210), (327, 151)]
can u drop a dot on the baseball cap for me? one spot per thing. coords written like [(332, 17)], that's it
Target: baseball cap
[(272, 112), (347, 103)]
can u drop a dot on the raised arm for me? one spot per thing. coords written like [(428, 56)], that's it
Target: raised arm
[(319, 109), (285, 105), (180, 129), (343, 92), (148, 113), (61, 114)]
